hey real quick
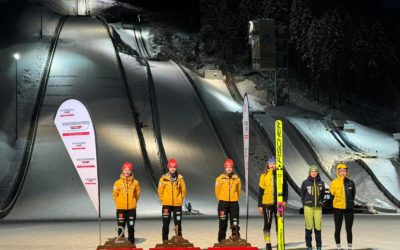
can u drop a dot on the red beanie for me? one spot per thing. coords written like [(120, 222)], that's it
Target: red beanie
[(127, 165), (172, 161), (228, 161)]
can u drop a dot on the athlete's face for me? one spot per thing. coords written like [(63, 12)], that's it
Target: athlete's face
[(126, 172), (342, 172), (228, 168), (271, 165), (313, 173), (172, 168)]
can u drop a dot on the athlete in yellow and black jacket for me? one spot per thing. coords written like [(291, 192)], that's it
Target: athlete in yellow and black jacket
[(172, 192), (126, 193), (344, 192), (267, 198), (227, 191)]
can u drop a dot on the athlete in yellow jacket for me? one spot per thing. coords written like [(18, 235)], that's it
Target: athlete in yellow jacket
[(344, 192), (268, 198), (172, 192), (126, 193), (227, 191)]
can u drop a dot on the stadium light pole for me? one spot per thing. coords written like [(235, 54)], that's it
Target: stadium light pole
[(16, 58)]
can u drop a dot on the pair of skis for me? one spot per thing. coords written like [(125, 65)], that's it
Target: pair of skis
[(279, 183)]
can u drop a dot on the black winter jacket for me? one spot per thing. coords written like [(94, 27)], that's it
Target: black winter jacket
[(313, 192)]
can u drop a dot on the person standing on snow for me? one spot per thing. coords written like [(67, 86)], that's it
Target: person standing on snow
[(343, 191), (126, 193), (312, 195), (227, 191), (267, 198), (172, 192)]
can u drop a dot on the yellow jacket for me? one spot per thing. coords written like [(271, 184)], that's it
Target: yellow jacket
[(267, 183), (268, 191), (171, 193), (228, 189), (344, 192), (126, 192)]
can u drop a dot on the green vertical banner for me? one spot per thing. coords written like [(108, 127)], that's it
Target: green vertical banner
[(279, 183)]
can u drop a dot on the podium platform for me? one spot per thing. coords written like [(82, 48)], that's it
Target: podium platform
[(176, 243), (118, 244)]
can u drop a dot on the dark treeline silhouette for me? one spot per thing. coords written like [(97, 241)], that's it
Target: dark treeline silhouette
[(347, 50)]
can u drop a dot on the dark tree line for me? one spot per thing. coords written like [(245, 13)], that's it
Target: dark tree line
[(347, 50)]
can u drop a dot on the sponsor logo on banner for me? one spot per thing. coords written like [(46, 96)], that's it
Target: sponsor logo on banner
[(78, 146), (86, 163), (76, 129), (76, 126), (91, 181), (66, 113)]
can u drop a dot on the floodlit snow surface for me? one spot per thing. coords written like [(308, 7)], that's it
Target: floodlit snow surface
[(78, 7), (330, 152), (216, 95), (257, 98), (387, 173), (373, 141), (323, 143)]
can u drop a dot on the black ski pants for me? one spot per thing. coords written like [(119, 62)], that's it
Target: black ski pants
[(227, 209), (166, 217), (269, 211), (348, 215), (126, 217)]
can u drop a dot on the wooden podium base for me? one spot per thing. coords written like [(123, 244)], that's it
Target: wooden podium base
[(118, 244), (234, 242), (176, 243)]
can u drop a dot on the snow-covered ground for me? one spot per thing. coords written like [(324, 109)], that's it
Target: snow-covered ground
[(323, 143), (373, 141), (329, 150), (387, 173), (257, 97)]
